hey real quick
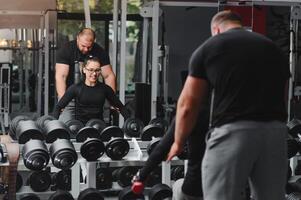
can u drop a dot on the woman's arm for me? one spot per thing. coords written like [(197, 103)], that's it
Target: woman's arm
[(114, 101), (63, 102)]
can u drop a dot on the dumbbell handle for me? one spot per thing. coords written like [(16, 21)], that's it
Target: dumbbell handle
[(137, 187)]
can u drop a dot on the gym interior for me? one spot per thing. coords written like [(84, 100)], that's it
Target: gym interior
[(149, 43)]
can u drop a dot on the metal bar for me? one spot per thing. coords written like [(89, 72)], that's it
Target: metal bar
[(122, 67), (291, 64), (75, 186), (87, 13), (144, 49), (188, 4), (165, 74), (91, 174), (18, 12), (97, 17), (115, 31), (40, 68), (230, 3), (166, 173), (46, 65), (155, 36)]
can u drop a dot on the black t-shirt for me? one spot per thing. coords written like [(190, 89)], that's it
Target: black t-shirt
[(248, 73), (69, 54), (89, 101)]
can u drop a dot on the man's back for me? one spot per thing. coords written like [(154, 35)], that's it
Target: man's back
[(248, 73)]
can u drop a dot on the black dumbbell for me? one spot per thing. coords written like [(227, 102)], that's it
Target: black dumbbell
[(39, 181), (292, 147), (127, 194), (53, 128), (74, 126), (90, 194), (92, 129), (29, 196), (155, 177), (159, 192), (92, 147), (35, 155), (151, 131), (61, 180), (98, 124), (293, 196), (151, 146), (61, 195), (104, 179), (19, 182), (177, 172), (159, 121), (124, 175), (23, 129), (132, 127), (116, 147), (62, 154), (294, 127)]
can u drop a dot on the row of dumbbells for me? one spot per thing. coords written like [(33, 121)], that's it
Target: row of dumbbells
[(22, 128), (157, 192), (93, 136), (41, 181)]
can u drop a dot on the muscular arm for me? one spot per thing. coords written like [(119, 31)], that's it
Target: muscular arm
[(159, 153), (194, 94), (109, 76), (61, 73)]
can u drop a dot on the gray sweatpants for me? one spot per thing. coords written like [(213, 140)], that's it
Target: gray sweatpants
[(68, 112), (178, 194), (242, 151)]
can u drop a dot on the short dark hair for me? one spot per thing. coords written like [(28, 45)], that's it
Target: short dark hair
[(87, 31), (226, 15)]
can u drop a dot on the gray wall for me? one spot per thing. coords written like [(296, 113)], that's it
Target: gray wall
[(186, 29)]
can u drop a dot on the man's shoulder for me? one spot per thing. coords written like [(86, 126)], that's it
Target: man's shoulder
[(69, 44), (97, 47)]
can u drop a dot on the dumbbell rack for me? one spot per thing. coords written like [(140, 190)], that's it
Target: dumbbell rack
[(136, 157)]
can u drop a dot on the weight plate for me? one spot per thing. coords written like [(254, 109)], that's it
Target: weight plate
[(132, 127), (160, 192), (294, 127), (61, 195), (111, 131), (86, 132), (27, 130), (151, 146), (14, 123), (125, 175), (90, 194), (74, 126), (98, 124), (41, 121), (158, 121), (104, 179), (56, 129), (150, 131), (127, 194), (39, 181), (118, 148), (92, 149), (29, 196), (62, 180)]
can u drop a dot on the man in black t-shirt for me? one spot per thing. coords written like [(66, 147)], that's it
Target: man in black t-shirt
[(248, 74), (77, 51)]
